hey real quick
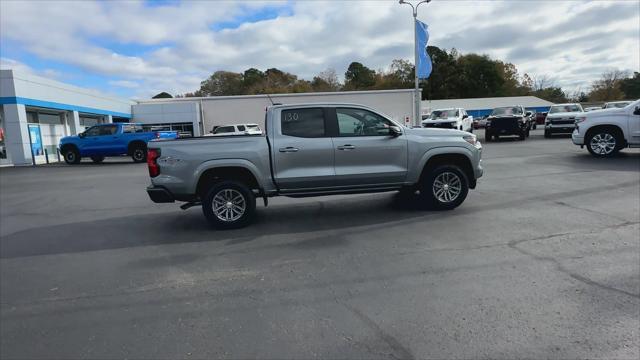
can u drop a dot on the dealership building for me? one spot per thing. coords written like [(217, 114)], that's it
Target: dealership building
[(35, 112)]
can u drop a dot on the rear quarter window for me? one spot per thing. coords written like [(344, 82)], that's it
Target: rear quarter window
[(306, 123)]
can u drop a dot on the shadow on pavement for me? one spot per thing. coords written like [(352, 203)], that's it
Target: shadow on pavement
[(190, 226)]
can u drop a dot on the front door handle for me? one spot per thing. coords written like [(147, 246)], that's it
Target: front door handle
[(346, 147), (288, 149)]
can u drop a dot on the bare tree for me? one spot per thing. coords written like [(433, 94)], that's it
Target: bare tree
[(541, 82), (608, 86)]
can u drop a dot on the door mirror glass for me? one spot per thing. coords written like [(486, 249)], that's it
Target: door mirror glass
[(528, 113), (637, 111), (82, 134)]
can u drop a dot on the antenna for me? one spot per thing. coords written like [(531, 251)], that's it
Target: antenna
[(270, 99)]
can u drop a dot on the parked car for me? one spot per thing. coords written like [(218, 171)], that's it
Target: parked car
[(539, 118), (605, 132), (118, 139), (455, 118), (509, 120), (479, 122), (592, 108), (314, 150), (561, 119), (616, 104), (237, 129)]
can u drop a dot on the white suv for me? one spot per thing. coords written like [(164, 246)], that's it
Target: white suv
[(455, 118), (238, 129), (607, 131)]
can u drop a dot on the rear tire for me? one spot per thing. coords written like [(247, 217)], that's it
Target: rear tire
[(487, 136), (547, 134), (97, 159), (139, 154), (445, 187), (71, 156), (229, 205)]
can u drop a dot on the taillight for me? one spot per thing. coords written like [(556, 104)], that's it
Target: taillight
[(152, 163)]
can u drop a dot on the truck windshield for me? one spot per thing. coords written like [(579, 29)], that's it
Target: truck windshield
[(564, 109), (507, 111), (443, 114)]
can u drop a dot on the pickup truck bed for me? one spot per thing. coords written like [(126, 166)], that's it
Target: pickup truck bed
[(313, 150)]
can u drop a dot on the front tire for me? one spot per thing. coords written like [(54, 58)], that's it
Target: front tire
[(445, 187), (547, 134), (603, 143), (71, 156), (229, 205)]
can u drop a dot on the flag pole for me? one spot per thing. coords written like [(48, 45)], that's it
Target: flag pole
[(417, 94)]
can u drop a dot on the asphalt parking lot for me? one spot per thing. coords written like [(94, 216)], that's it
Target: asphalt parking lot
[(541, 261)]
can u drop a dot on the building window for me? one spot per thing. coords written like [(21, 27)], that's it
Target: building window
[(45, 118)]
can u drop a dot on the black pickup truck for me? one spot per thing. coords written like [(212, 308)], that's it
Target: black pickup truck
[(510, 120)]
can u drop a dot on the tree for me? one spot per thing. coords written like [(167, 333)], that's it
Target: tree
[(608, 86), (162, 95), (358, 77), (222, 83), (252, 80), (445, 80), (631, 86), (326, 81)]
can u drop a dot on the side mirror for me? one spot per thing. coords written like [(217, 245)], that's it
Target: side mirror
[(636, 111), (465, 116), (395, 131), (529, 113), (82, 134)]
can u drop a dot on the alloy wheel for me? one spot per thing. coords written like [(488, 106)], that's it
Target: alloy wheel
[(229, 205), (447, 187), (603, 143)]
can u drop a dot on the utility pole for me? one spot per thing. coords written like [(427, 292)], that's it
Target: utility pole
[(417, 97)]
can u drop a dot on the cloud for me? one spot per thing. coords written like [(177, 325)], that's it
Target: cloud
[(172, 46), (124, 83), (6, 63)]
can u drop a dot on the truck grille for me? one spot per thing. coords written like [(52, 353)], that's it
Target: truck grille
[(563, 121), (439, 125)]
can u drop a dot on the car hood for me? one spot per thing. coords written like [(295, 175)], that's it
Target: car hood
[(68, 139), (565, 114), (604, 112), (435, 132)]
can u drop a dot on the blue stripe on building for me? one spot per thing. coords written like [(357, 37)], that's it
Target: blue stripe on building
[(485, 112), (59, 106)]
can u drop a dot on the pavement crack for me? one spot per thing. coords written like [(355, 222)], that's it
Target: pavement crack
[(558, 265), (399, 351), (562, 203)]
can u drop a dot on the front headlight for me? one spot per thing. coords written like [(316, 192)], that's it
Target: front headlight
[(580, 119), (471, 139)]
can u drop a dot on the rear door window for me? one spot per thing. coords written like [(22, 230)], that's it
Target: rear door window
[(224, 130), (305, 123)]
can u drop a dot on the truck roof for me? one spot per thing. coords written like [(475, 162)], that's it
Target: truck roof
[(325, 104)]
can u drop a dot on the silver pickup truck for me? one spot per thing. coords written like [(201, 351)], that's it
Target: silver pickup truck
[(313, 150)]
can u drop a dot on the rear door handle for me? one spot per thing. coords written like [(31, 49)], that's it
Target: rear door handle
[(346, 147), (288, 149)]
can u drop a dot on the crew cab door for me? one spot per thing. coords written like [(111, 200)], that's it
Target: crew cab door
[(366, 153), (302, 150), (107, 140)]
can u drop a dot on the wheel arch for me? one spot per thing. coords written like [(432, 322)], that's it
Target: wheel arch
[(612, 127), (211, 174), (134, 144), (451, 155)]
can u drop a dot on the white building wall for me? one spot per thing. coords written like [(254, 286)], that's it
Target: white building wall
[(397, 104), (170, 112)]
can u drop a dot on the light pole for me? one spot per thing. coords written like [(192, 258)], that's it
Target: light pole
[(417, 98)]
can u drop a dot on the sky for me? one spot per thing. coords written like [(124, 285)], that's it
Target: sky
[(136, 49)]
